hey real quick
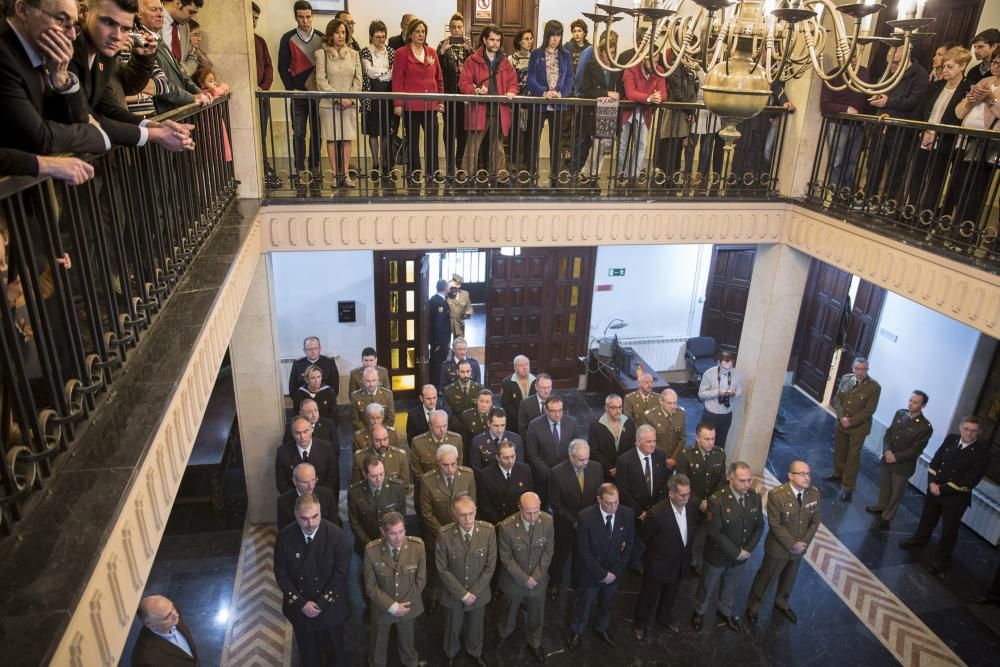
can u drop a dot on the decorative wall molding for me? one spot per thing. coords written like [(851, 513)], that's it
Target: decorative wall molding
[(97, 632)]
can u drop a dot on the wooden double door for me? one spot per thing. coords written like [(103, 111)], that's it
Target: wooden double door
[(511, 15)]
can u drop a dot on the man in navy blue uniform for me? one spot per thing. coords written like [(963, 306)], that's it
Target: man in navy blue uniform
[(437, 309)]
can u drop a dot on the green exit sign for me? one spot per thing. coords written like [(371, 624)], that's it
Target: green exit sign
[(615, 273)]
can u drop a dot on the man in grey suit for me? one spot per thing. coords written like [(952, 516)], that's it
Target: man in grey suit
[(533, 405), (547, 442), (526, 544), (573, 486), (465, 555), (181, 89)]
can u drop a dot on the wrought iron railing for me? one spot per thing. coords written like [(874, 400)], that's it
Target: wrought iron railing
[(933, 185), (518, 146), (67, 329)]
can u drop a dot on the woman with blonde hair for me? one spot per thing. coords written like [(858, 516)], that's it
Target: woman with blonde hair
[(338, 70)]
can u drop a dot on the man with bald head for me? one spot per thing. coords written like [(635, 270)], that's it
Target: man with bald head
[(395, 459), (165, 640), (323, 427), (418, 419), (396, 42), (305, 481), (640, 400), (525, 541), (573, 486), (669, 421), (305, 448), (516, 387), (611, 436), (371, 392)]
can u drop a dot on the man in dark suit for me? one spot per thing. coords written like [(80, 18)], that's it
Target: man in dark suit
[(418, 418), (533, 406), (611, 436), (476, 420), (667, 534), (312, 348), (31, 98), (605, 536), (957, 467), (306, 449), (642, 480), (311, 561), (484, 447), (440, 329), (304, 479), (396, 42), (513, 389), (323, 427), (459, 353), (547, 441), (573, 486), (165, 640), (501, 483), (181, 90)]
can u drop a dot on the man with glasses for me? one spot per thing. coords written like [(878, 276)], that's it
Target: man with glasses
[(793, 519), (164, 636), (312, 350)]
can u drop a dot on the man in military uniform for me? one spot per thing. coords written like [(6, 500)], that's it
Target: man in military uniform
[(369, 359), (438, 490), (855, 403), (459, 353), (641, 400), (369, 499), (957, 467), (459, 305), (311, 561), (705, 466), (374, 416), (461, 395), (313, 357), (465, 556), (484, 447), (395, 459), (423, 451), (735, 526), (525, 541), (513, 389), (792, 519), (476, 420), (371, 392), (395, 569), (533, 405), (668, 420), (902, 445)]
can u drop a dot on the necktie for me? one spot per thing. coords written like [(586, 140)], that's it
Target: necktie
[(555, 432), (799, 496), (506, 475), (308, 540), (649, 475), (468, 540), (175, 42), (305, 455), (451, 483), (496, 443), (607, 523), (741, 503), (378, 491), (395, 555), (579, 479)]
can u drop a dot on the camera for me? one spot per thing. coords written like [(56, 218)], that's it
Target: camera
[(142, 39), (725, 400)]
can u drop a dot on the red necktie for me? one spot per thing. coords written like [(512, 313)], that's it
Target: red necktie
[(175, 42)]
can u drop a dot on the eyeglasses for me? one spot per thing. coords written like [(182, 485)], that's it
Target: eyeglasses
[(806, 473), (64, 22)]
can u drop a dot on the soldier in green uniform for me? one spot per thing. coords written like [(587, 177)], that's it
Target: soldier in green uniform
[(461, 394), (705, 465), (640, 400), (668, 420), (459, 305), (476, 420), (395, 459), (855, 403), (792, 519), (369, 359), (465, 556), (423, 450), (395, 569), (902, 445), (526, 543), (736, 523), (371, 392), (371, 498), (374, 416)]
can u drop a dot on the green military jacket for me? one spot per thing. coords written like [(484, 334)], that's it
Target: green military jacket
[(524, 555), (395, 460), (423, 452), (858, 401), (365, 513), (356, 380), (906, 438), (634, 405), (731, 528), (436, 500), (670, 429), (707, 472), (360, 400), (466, 568), (459, 401), (788, 522), (388, 581)]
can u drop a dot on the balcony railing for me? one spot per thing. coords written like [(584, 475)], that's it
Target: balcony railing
[(354, 145), (934, 186), (68, 327)]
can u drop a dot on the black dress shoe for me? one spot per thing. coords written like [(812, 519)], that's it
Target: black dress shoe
[(833, 478), (538, 652), (731, 622), (883, 524), (846, 496), (788, 613), (554, 593), (696, 569), (937, 568), (912, 544), (988, 598), (605, 637), (640, 633), (752, 617), (873, 509), (574, 641), (697, 621)]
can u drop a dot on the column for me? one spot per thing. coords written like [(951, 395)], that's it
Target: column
[(259, 400), (776, 287)]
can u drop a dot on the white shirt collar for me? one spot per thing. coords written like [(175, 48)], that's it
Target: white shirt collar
[(304, 449), (605, 515), (796, 490), (679, 512), (33, 56), (308, 537)]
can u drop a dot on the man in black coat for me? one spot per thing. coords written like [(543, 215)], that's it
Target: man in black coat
[(957, 467), (311, 561), (667, 534), (516, 387), (532, 406), (165, 640), (484, 447), (312, 348), (459, 353), (573, 486), (547, 442), (500, 484), (304, 479), (323, 427), (306, 449), (642, 480), (418, 418), (440, 328), (605, 536), (611, 436)]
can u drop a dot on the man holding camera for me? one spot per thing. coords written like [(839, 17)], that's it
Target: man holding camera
[(719, 386)]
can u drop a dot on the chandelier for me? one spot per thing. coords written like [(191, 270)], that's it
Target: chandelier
[(744, 46)]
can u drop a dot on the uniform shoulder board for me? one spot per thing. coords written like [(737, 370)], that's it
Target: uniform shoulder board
[(375, 544), (484, 524), (392, 480), (457, 435), (648, 410), (509, 520), (415, 540), (465, 469), (359, 451), (357, 484), (398, 450), (718, 494), (359, 392), (389, 428), (681, 408)]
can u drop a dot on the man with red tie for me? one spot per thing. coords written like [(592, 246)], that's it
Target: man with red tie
[(176, 30)]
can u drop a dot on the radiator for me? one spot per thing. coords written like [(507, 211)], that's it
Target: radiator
[(660, 352)]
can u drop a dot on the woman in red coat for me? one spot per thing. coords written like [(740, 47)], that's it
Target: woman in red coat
[(416, 69), (487, 72)]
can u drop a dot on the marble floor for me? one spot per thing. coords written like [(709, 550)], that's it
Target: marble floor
[(860, 598)]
